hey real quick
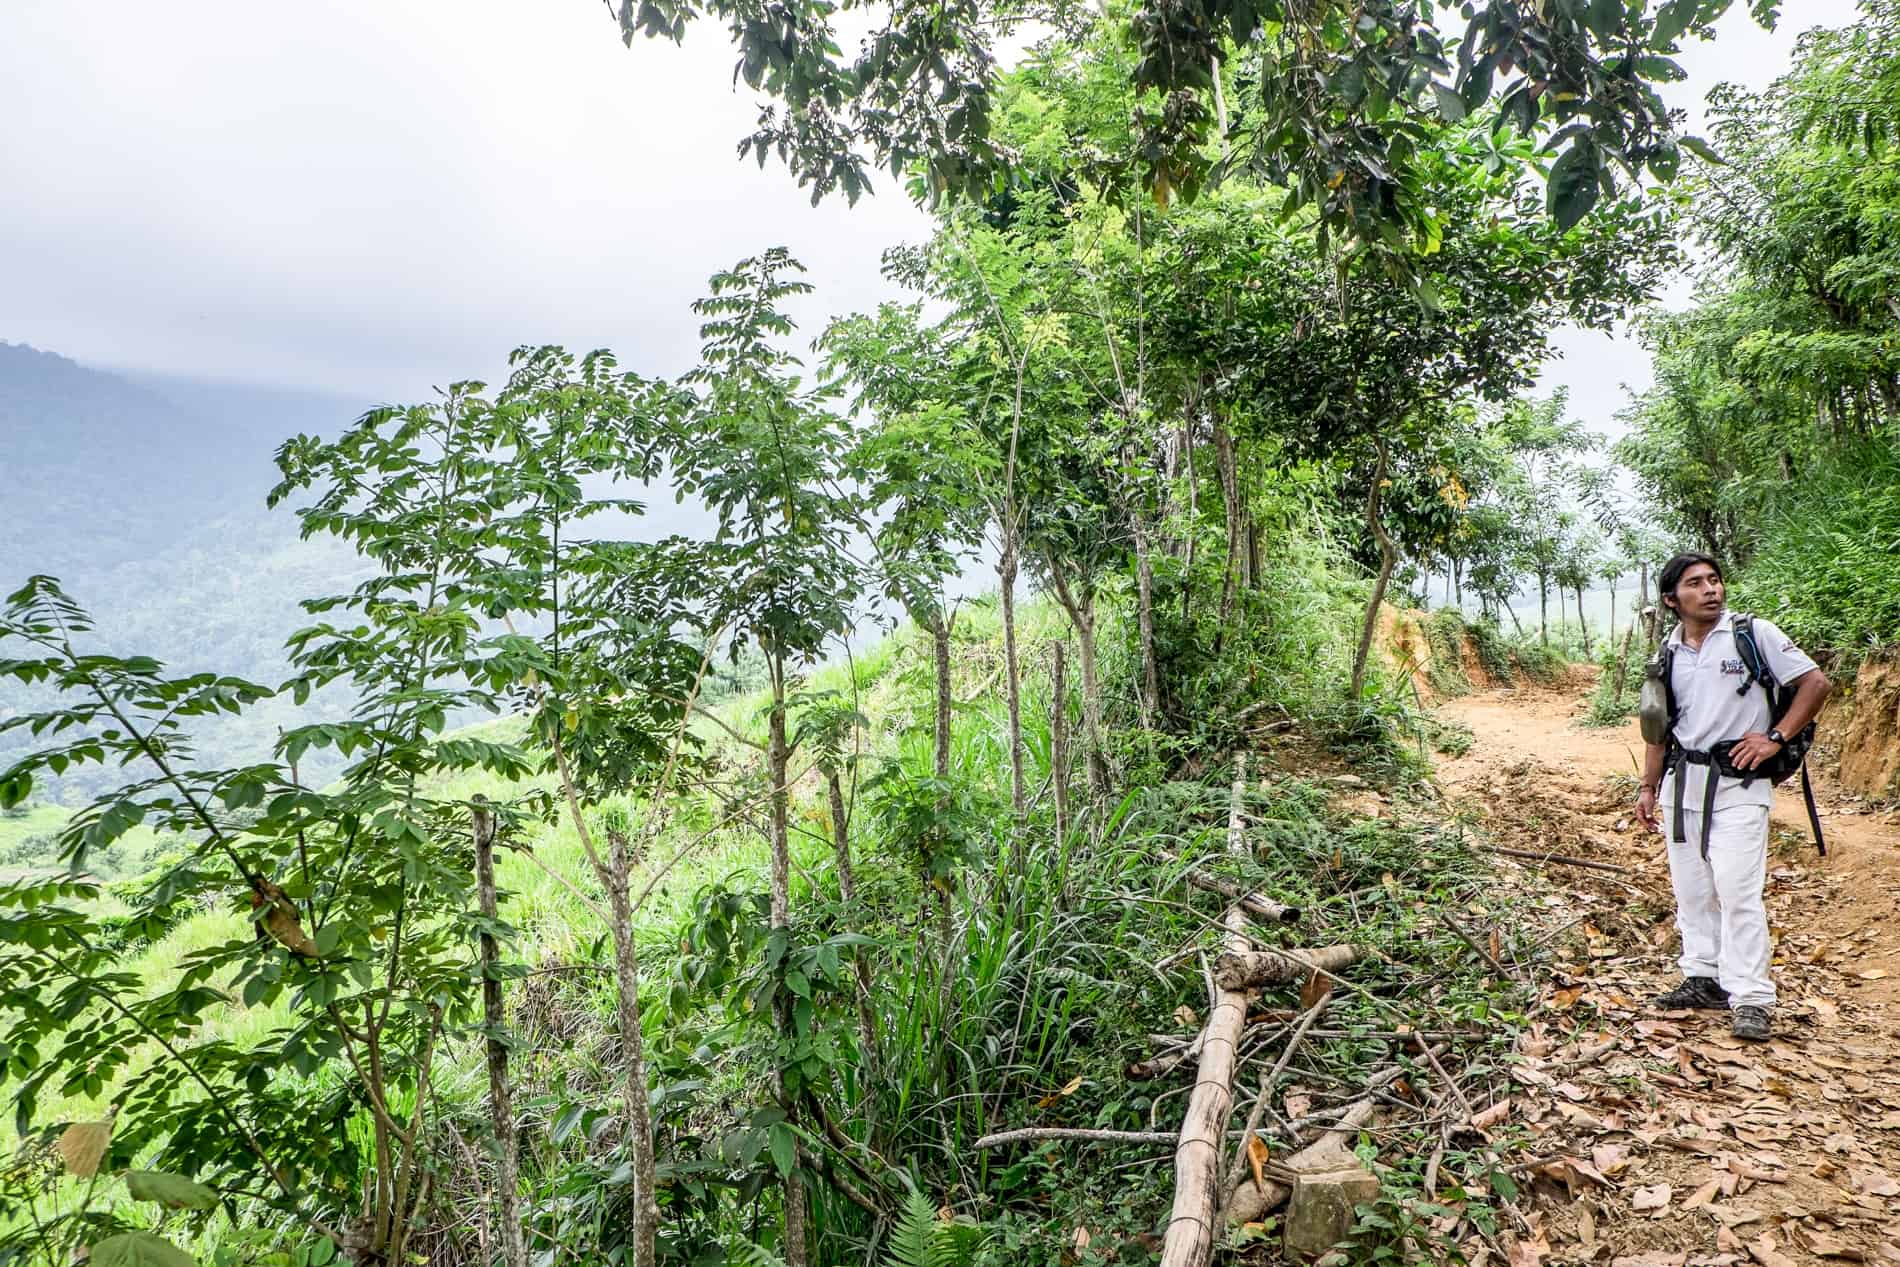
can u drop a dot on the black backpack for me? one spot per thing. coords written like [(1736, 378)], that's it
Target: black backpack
[(1793, 756)]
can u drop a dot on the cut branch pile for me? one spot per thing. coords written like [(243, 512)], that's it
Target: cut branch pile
[(1311, 1081)]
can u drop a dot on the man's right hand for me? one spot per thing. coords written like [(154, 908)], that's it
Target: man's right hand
[(1646, 810)]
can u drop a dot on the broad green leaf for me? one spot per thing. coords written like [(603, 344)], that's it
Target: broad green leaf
[(1451, 106), (1573, 185), (1672, 20), (1702, 150), (138, 1249), (784, 1148), (174, 1192)]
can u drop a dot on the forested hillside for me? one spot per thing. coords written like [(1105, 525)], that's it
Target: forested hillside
[(145, 496), (1110, 916)]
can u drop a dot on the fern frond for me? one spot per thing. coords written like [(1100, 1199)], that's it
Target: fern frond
[(914, 1241)]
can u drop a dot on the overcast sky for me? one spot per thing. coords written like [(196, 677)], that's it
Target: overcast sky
[(374, 196)]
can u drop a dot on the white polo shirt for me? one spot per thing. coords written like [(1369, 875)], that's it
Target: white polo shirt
[(1708, 710)]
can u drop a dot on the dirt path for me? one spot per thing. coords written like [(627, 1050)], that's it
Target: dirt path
[(1661, 1139)]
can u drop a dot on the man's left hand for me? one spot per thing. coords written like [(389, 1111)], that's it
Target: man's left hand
[(1751, 750)]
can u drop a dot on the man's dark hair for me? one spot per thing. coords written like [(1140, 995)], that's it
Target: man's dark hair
[(1672, 572)]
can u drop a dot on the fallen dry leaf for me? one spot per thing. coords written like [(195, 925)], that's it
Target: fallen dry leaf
[(1878, 1183), (1822, 1245), (1318, 985), (1572, 1172), (1530, 1253), (1703, 1195), (1484, 1119), (82, 1145), (1654, 1197), (1872, 974), (1611, 1159), (1767, 1254), (1068, 1088), (1257, 1160)]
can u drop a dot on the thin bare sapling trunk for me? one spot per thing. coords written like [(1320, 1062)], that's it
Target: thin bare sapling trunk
[(778, 761), (1059, 735), (1230, 494), (1145, 620), (940, 648), (848, 890), (1388, 559), (614, 877), (1012, 668), (501, 1109), (1081, 611)]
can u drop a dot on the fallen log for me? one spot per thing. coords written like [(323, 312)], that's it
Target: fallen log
[(1254, 904), (1189, 1238), (1253, 969)]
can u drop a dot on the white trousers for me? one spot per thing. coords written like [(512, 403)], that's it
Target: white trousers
[(1719, 908)]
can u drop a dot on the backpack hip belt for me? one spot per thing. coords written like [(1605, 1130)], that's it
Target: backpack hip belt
[(1793, 755)]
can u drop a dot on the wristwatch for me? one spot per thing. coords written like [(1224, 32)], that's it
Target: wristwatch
[(1780, 739)]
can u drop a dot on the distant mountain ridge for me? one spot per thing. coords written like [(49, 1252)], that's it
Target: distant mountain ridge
[(145, 495)]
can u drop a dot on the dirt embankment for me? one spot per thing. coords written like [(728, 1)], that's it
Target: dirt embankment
[(1405, 637), (1869, 741)]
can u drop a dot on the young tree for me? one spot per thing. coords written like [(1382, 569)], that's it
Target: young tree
[(765, 453)]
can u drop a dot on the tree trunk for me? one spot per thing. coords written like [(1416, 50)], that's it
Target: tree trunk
[(848, 890), (639, 1122), (1642, 602), (1145, 613), (1388, 559), (1613, 609), (1253, 552), (1543, 610), (501, 1109), (1230, 494), (1193, 519), (1059, 736), (1012, 674), (1081, 610), (778, 759), (940, 641), (1582, 623), (1512, 613), (613, 873)]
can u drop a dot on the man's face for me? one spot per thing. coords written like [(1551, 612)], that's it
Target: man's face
[(1699, 593)]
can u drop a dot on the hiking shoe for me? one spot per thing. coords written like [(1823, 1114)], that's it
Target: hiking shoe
[(1700, 992), (1751, 1023)]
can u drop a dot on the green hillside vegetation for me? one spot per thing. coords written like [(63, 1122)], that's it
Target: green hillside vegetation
[(1769, 438)]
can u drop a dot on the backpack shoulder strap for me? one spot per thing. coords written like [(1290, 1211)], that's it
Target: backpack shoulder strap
[(1666, 658), (1750, 650)]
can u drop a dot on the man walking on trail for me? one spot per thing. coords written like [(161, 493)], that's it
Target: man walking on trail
[(1723, 730)]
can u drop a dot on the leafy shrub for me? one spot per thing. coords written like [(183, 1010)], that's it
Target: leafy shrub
[(1445, 632), (1494, 650), (1828, 570)]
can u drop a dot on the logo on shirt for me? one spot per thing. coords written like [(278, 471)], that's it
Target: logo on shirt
[(1733, 668)]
